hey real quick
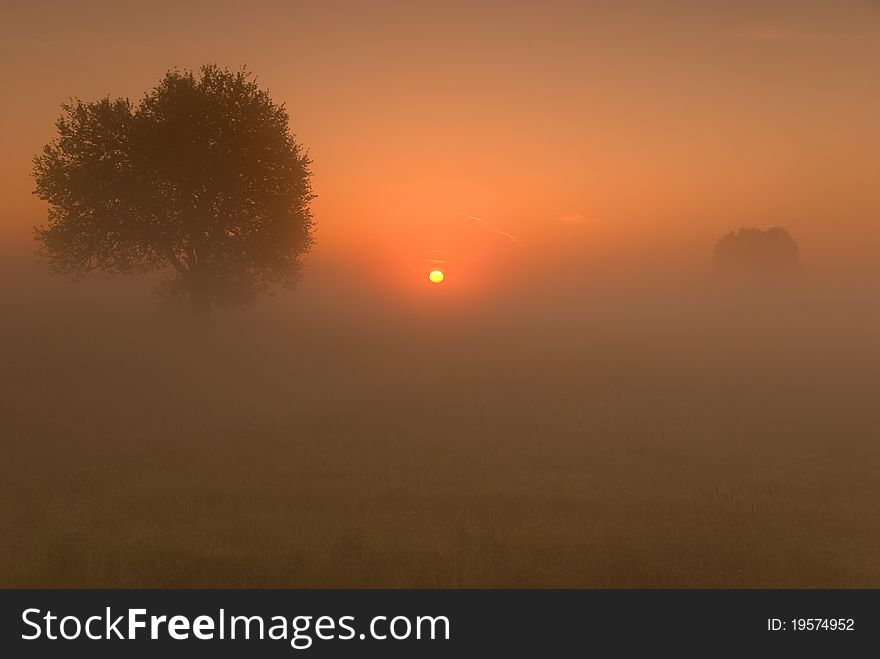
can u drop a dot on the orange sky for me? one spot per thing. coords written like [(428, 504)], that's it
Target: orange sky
[(573, 132)]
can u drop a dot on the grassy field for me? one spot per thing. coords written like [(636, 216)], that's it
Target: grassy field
[(631, 445)]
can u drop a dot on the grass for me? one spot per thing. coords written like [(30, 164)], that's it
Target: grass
[(684, 449)]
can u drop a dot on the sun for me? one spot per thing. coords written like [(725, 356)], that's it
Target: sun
[(436, 276)]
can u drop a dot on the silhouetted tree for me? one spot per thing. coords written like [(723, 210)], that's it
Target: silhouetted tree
[(756, 251), (202, 178)]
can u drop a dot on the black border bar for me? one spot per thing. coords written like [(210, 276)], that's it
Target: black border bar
[(493, 622)]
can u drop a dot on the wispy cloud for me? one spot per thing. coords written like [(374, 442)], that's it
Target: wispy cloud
[(770, 34), (573, 218), (440, 256), (479, 220), (453, 256)]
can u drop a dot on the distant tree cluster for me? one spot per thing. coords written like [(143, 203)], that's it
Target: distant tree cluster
[(202, 177), (756, 251)]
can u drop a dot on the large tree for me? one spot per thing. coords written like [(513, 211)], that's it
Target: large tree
[(201, 178)]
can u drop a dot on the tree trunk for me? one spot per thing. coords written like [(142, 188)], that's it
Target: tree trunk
[(200, 304)]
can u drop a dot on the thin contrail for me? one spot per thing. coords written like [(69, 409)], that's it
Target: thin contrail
[(481, 221), (450, 256), (573, 218), (440, 252)]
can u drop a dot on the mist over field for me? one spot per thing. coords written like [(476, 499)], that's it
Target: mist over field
[(639, 436)]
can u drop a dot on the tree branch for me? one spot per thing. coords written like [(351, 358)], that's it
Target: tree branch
[(177, 263)]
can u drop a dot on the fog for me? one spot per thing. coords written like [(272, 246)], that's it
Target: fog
[(644, 433)]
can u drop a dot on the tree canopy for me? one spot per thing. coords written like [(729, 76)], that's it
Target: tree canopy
[(201, 178), (750, 250)]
